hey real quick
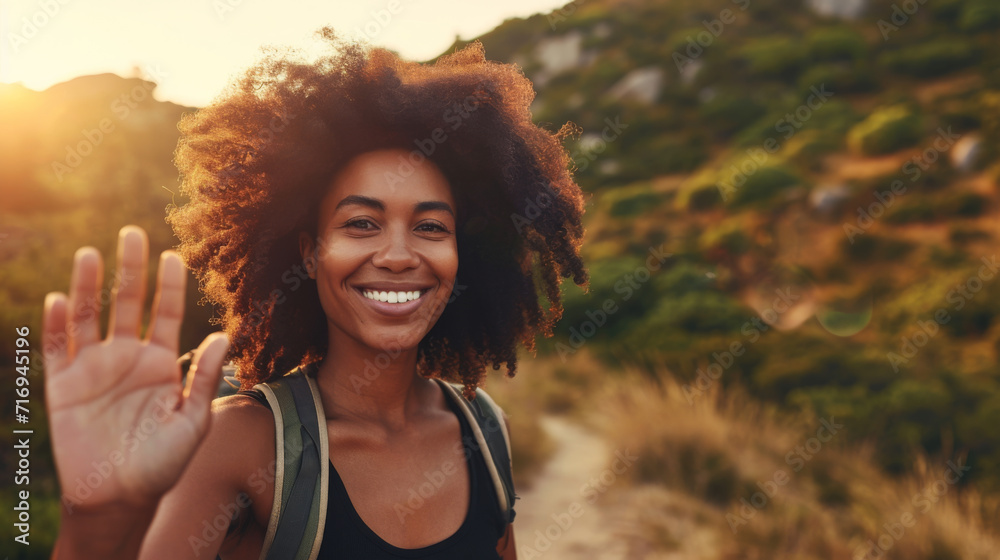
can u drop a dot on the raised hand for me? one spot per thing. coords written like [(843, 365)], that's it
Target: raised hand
[(123, 427)]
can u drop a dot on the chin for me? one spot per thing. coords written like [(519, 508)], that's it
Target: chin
[(394, 344)]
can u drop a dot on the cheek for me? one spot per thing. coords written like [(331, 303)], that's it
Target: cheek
[(334, 266), (444, 261)]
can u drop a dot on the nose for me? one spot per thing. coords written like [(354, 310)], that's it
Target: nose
[(396, 253)]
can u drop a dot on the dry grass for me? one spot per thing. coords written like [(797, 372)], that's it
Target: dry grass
[(699, 461), (542, 386)]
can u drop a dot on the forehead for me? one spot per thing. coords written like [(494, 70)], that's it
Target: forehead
[(391, 176)]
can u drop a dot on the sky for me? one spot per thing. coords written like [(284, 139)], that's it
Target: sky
[(192, 48)]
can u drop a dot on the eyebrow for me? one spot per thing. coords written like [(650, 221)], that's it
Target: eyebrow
[(361, 201), (377, 204), (429, 205)]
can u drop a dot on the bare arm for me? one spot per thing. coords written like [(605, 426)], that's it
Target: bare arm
[(230, 476), (505, 546)]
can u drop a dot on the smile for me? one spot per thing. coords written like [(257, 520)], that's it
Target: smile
[(393, 297), (392, 303)]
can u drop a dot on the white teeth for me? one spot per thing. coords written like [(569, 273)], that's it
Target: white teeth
[(392, 297)]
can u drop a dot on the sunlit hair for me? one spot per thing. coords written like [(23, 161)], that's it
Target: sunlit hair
[(256, 162)]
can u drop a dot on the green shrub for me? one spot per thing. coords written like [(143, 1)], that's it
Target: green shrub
[(871, 247), (763, 185), (773, 57), (941, 257), (836, 116), (814, 146), (895, 249), (727, 113), (797, 361), (913, 413), (687, 300), (698, 313), (727, 236), (973, 319), (838, 77), (918, 401), (608, 281), (596, 77), (679, 40), (979, 428), (886, 130), (961, 236), (980, 15), (962, 120), (704, 198), (851, 405), (946, 10), (966, 205), (947, 205), (833, 119), (835, 43), (920, 210), (631, 201), (930, 59), (798, 369), (665, 155), (760, 130)]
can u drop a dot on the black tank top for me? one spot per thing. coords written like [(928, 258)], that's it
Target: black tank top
[(347, 536)]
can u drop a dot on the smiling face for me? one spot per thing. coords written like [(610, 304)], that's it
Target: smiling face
[(387, 255)]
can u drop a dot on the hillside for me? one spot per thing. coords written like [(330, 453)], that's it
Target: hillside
[(827, 190)]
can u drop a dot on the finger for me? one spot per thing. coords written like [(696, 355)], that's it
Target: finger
[(203, 378), (168, 303), (84, 311), (130, 283), (55, 341)]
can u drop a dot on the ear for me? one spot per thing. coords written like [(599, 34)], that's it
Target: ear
[(307, 250)]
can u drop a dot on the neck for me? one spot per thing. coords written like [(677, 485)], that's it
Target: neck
[(370, 385)]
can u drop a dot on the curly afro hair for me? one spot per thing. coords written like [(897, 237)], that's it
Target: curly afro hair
[(256, 162)]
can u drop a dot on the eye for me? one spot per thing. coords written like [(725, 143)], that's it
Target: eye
[(358, 223), (433, 228)]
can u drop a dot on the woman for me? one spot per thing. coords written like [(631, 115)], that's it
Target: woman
[(384, 222)]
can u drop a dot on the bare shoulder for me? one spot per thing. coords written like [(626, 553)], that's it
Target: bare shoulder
[(240, 413), (242, 433)]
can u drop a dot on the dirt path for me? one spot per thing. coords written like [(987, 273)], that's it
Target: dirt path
[(568, 512)]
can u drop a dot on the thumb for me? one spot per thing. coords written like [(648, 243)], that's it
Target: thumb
[(203, 378)]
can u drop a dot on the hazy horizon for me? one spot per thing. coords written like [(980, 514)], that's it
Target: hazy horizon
[(46, 43)]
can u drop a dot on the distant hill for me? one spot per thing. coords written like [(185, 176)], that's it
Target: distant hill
[(80, 160), (55, 142)]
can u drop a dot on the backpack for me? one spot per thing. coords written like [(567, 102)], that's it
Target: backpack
[(295, 529)]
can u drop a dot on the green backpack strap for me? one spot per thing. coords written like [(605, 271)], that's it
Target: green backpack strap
[(302, 457), (490, 431)]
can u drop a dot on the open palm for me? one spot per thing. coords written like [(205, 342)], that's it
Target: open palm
[(123, 428)]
